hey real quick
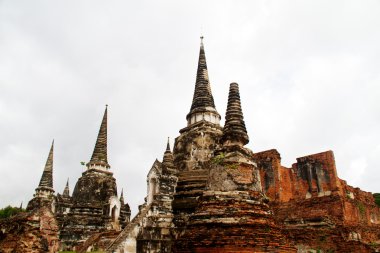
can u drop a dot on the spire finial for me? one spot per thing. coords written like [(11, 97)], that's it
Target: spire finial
[(234, 131), (46, 181), (168, 145), (99, 156), (66, 191), (122, 196), (168, 159)]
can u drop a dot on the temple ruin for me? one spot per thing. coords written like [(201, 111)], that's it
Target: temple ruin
[(210, 194)]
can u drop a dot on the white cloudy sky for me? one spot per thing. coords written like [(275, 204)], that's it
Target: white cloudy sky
[(309, 75)]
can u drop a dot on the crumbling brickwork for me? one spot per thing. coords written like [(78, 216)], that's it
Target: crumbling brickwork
[(317, 210), (35, 232)]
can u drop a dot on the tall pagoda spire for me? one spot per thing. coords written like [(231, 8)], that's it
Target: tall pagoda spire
[(45, 187), (66, 191), (168, 159), (122, 196), (99, 156), (168, 145), (202, 107), (234, 131)]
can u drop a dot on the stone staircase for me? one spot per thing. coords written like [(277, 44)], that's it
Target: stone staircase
[(97, 240), (128, 230), (90, 241)]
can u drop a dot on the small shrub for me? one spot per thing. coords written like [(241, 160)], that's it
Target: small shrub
[(219, 158)]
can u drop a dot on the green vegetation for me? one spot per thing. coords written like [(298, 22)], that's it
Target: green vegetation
[(361, 208), (373, 244), (219, 158), (10, 211), (377, 198), (233, 166)]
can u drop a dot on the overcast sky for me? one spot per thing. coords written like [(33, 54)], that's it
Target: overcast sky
[(308, 71)]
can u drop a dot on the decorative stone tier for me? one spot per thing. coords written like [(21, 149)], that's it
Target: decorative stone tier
[(38, 202), (232, 221), (95, 208), (193, 150), (95, 186), (234, 131)]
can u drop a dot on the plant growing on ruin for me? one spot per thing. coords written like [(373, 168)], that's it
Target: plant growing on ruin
[(218, 159), (361, 208), (377, 198), (232, 166)]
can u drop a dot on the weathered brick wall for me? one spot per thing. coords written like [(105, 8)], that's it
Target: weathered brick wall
[(277, 181), (232, 221), (318, 175), (359, 206), (316, 209), (313, 175), (35, 232)]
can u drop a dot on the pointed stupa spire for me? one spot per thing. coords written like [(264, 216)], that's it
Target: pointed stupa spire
[(168, 159), (99, 156), (168, 145), (66, 191), (234, 131), (47, 175), (202, 107), (122, 197)]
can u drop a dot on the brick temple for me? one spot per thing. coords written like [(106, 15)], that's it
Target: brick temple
[(210, 194)]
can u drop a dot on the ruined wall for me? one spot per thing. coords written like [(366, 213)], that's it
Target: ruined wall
[(35, 232), (316, 176), (359, 206), (316, 209), (313, 175), (277, 181)]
